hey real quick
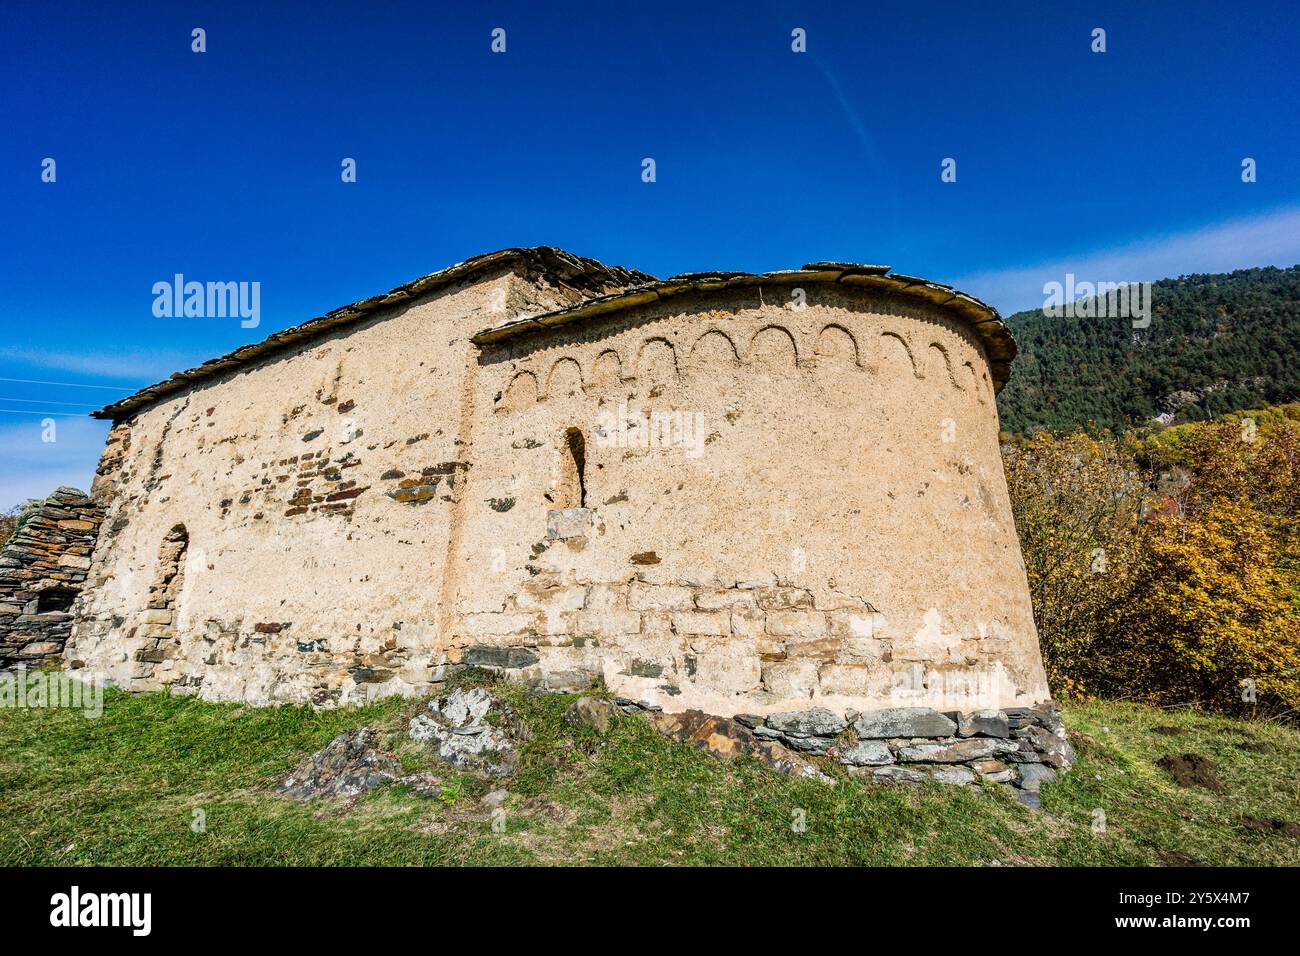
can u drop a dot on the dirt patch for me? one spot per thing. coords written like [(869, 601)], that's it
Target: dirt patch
[(1168, 731), (1280, 827), (1192, 770), (1175, 858), (470, 812), (569, 843), (1255, 747)]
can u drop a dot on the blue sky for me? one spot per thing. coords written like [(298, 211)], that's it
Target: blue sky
[(225, 165)]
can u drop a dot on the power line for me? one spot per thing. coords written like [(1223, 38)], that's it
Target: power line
[(109, 388), (34, 411), (46, 401)]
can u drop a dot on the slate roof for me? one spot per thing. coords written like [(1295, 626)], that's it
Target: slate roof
[(982, 318), (561, 268), (608, 289)]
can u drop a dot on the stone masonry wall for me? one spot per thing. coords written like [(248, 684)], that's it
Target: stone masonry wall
[(818, 516), (317, 490), (42, 570), (367, 514)]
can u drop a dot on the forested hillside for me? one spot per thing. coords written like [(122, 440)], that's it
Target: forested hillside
[(1216, 343)]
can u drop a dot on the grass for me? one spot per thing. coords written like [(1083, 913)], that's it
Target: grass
[(124, 789)]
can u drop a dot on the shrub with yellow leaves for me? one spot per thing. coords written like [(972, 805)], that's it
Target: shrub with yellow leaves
[(1166, 568)]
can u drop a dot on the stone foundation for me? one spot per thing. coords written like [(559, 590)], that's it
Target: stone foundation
[(42, 570), (726, 647), (1021, 746)]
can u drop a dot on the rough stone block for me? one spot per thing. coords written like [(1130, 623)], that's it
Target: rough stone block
[(958, 752), (565, 682), (983, 723), (801, 624), (571, 598), (608, 622), (824, 649), (900, 774), (782, 598), (904, 722), (40, 649), (867, 753), (493, 625), (728, 673), (853, 680), (748, 624), (725, 600), (862, 650), (606, 597), (644, 667), (510, 658), (790, 678), (593, 713), (702, 622), (953, 776), (856, 624), (1057, 752), (1033, 775), (563, 524), (554, 622), (815, 722), (723, 645), (660, 597)]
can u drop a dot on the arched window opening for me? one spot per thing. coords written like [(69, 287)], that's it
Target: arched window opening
[(573, 470), (170, 574), (157, 630)]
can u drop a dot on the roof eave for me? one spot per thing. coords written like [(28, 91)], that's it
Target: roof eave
[(984, 320), (548, 258)]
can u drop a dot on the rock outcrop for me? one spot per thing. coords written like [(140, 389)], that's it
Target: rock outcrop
[(471, 730), (348, 766)]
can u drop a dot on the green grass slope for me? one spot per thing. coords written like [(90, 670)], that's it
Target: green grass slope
[(123, 789)]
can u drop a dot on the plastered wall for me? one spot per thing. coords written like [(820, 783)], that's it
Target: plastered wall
[(771, 503)]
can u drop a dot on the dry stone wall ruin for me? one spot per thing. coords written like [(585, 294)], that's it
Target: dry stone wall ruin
[(42, 570), (732, 493)]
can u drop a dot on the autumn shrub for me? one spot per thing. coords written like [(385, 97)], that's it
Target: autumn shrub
[(1251, 457), (1206, 618), (1165, 568), (1077, 502)]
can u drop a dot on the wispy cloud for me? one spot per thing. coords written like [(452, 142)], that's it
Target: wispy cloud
[(132, 368), (38, 386), (33, 466), (1264, 240)]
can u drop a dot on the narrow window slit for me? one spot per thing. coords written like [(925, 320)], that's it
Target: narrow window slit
[(576, 468)]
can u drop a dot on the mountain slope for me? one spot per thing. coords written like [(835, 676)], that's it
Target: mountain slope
[(1216, 343)]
